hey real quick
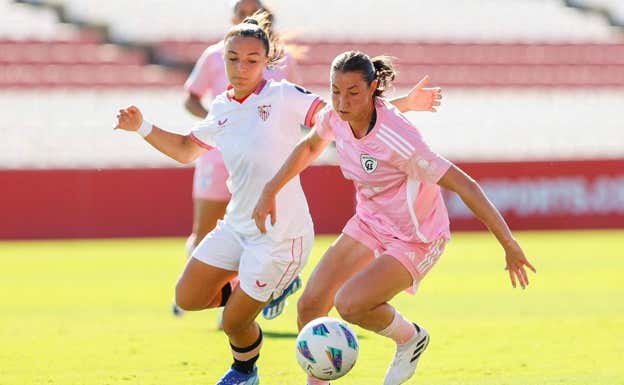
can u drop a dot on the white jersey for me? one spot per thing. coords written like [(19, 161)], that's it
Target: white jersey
[(256, 136)]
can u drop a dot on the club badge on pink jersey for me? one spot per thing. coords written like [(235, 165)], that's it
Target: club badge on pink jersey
[(369, 164), (264, 111)]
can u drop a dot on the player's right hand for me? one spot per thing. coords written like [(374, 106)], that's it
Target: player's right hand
[(517, 264), (129, 119), (264, 207)]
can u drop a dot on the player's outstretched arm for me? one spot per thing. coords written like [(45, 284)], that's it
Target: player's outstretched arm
[(308, 149), (420, 98), (474, 197), (178, 147)]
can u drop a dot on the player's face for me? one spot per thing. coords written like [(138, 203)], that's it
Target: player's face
[(352, 96), (245, 61), (243, 9)]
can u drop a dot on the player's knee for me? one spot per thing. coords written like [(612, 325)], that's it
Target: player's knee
[(184, 298), (307, 308), (233, 326), (347, 307)]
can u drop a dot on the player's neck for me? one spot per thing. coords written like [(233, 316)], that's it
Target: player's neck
[(241, 95), (361, 127)]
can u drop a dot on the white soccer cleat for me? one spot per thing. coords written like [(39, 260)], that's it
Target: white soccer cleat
[(406, 358)]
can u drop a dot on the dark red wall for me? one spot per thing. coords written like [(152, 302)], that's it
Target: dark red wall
[(157, 202), (133, 202)]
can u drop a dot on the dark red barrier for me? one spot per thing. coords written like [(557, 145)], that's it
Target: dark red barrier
[(134, 202), (95, 203), (157, 202), (548, 195)]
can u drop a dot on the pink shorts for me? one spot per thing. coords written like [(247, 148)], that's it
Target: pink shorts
[(210, 177), (417, 258)]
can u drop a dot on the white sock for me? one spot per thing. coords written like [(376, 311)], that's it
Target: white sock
[(316, 381), (400, 330)]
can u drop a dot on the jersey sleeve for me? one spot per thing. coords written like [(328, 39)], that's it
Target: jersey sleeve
[(412, 155), (301, 101), (203, 132), (201, 80), (323, 127)]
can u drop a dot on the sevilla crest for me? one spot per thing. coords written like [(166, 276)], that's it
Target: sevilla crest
[(264, 111)]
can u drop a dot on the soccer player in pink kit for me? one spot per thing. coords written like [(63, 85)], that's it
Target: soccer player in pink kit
[(210, 192), (255, 125), (401, 224)]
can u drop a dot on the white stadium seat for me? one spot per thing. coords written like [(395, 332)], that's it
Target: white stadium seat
[(441, 20), (74, 128)]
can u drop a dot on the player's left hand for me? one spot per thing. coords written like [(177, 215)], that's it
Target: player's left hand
[(264, 207), (516, 263), (422, 98)]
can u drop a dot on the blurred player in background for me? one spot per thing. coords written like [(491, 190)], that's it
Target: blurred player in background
[(401, 224), (210, 192)]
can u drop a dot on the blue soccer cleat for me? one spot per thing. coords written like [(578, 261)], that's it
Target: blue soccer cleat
[(234, 377), (276, 306)]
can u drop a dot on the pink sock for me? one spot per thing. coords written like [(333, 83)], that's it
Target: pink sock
[(316, 381), (400, 330)]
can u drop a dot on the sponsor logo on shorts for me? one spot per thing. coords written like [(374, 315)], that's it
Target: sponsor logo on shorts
[(222, 122), (260, 284)]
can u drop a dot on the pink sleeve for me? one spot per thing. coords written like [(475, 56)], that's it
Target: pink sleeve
[(428, 166), (200, 81), (415, 157), (323, 126)]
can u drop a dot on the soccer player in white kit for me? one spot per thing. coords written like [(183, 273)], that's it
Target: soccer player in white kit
[(255, 124), (210, 192), (401, 224)]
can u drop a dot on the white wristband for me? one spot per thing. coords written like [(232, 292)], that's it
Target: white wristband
[(145, 129)]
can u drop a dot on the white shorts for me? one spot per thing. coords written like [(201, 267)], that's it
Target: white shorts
[(265, 266)]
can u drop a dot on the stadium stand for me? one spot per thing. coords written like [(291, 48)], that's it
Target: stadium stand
[(454, 20), (612, 10), (22, 22), (514, 90), (524, 81)]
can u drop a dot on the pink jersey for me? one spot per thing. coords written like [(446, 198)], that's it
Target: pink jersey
[(394, 173), (209, 77)]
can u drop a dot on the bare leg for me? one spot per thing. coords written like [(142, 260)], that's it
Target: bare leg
[(341, 261), (200, 285), (366, 305), (239, 318)]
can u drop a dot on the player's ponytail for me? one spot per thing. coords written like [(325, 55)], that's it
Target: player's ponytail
[(379, 67), (260, 26), (384, 72)]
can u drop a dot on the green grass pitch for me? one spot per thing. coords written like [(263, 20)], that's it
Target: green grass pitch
[(97, 313)]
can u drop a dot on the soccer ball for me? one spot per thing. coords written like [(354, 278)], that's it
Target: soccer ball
[(327, 348)]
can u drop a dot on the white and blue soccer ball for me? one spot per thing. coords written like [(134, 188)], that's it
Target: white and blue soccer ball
[(327, 348)]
